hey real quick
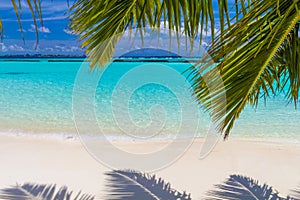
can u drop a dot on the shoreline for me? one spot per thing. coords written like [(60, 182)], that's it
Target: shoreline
[(66, 162), (267, 139)]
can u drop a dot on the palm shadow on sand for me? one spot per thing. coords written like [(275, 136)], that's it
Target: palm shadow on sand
[(132, 185), (125, 185), (30, 191), (128, 185), (238, 187), (296, 193)]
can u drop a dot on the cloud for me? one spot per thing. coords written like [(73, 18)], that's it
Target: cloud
[(49, 49), (47, 6), (6, 5), (67, 49), (24, 31), (15, 48), (3, 48), (68, 31), (74, 49), (50, 7), (31, 20), (42, 29), (32, 28), (61, 47)]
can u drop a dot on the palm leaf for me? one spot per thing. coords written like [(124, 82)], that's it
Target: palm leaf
[(30, 191), (246, 51), (134, 185), (36, 13), (18, 11), (287, 59), (238, 187), (100, 24), (1, 30)]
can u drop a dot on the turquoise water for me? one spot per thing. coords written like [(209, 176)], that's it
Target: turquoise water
[(36, 98)]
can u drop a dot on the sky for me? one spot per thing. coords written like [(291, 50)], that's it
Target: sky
[(54, 37)]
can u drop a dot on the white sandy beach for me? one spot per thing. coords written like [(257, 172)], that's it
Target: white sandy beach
[(66, 162)]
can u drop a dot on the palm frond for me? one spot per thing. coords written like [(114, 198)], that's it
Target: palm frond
[(100, 24), (36, 13), (134, 185), (1, 30), (245, 52), (238, 187), (30, 191), (287, 59), (18, 11)]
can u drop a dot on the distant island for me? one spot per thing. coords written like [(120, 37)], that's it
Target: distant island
[(139, 55), (150, 53), (42, 56)]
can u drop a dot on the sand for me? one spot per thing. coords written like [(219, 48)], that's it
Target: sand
[(67, 162)]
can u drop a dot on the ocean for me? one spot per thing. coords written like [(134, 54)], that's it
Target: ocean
[(130, 100)]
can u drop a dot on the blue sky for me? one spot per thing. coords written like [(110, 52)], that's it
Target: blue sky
[(55, 37)]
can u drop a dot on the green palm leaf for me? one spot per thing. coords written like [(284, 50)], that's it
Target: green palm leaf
[(100, 24), (36, 13), (258, 50), (246, 52), (1, 29), (287, 59), (30, 191)]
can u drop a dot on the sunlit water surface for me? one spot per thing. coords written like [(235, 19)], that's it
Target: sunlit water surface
[(36, 99)]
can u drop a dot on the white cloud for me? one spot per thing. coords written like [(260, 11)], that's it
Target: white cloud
[(24, 31), (73, 49), (15, 48), (50, 7), (68, 49), (59, 48), (42, 29), (67, 31), (31, 20), (6, 4), (53, 18), (32, 28), (63, 47), (49, 49), (3, 48)]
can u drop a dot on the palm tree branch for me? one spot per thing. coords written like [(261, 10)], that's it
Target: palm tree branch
[(18, 16), (96, 22), (32, 10), (245, 52), (266, 62), (287, 60), (1, 30)]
